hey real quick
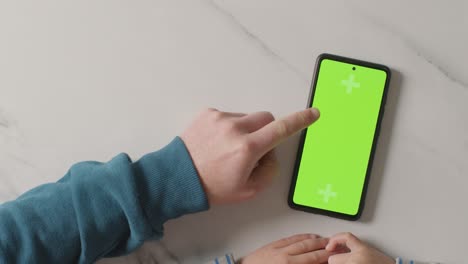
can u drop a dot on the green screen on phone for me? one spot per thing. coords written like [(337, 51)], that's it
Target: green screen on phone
[(337, 149)]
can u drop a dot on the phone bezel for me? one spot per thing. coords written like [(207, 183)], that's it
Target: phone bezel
[(357, 62)]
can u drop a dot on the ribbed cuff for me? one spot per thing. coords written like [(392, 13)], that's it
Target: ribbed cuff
[(169, 184)]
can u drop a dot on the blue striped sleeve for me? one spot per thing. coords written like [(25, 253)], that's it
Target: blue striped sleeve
[(226, 259), (403, 261)]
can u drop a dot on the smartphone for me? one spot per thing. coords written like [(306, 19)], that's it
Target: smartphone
[(335, 154)]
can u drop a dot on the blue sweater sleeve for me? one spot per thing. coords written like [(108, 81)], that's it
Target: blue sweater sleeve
[(101, 209)]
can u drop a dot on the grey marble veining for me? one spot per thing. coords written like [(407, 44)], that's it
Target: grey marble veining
[(419, 51), (256, 40), (4, 124)]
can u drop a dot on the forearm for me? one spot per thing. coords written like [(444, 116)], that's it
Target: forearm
[(100, 209)]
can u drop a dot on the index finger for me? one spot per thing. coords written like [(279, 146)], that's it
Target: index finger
[(349, 240), (274, 133)]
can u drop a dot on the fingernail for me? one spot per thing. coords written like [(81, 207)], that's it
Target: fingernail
[(315, 111)]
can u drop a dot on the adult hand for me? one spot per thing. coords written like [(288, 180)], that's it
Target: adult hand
[(233, 152), (357, 251), (298, 249)]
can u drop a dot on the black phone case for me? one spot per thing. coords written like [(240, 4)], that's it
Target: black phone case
[(374, 143)]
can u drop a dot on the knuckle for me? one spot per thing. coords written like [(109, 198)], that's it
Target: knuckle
[(304, 118), (303, 246), (285, 240), (231, 126), (314, 236), (217, 115), (211, 109), (248, 147), (307, 117), (351, 237), (269, 116), (282, 129), (208, 111), (297, 237)]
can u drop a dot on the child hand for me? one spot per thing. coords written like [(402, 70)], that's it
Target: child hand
[(298, 249), (357, 252)]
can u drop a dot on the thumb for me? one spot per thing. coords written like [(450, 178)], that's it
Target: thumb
[(344, 239)]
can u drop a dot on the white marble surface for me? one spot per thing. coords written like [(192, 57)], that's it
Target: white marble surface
[(86, 79)]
